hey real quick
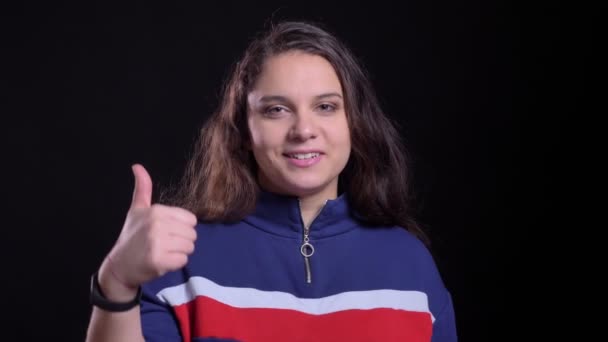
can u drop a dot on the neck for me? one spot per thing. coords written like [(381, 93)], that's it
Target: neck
[(310, 204)]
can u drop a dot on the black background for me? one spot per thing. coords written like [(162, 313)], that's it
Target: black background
[(484, 92)]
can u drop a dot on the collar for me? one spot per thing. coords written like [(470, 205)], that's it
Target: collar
[(280, 215)]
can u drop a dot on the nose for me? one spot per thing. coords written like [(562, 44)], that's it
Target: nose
[(303, 127)]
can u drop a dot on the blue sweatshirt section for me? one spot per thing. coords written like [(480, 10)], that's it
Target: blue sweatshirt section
[(263, 252)]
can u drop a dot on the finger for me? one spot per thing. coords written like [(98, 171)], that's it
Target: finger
[(174, 228), (142, 193), (175, 261), (183, 231), (182, 215), (177, 244)]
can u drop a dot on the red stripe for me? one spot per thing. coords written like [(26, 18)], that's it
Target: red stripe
[(206, 317)]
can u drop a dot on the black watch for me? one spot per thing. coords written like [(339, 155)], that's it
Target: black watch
[(98, 299)]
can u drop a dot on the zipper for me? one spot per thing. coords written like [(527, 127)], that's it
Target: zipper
[(307, 249)]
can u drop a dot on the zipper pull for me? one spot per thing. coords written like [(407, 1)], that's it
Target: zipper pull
[(307, 251)]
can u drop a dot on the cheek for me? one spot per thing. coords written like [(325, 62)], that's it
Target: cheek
[(265, 137), (257, 137), (259, 144), (253, 133), (262, 146), (341, 134)]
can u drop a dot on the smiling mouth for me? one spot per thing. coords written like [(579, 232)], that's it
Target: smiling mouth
[(303, 156)]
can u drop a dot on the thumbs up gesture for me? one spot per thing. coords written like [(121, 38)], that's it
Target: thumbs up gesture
[(154, 240)]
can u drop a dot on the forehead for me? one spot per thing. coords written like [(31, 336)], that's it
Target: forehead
[(296, 74)]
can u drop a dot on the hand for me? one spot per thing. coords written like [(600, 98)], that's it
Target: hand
[(154, 240)]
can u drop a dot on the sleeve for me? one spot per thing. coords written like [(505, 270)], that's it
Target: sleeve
[(444, 327), (440, 298), (158, 322)]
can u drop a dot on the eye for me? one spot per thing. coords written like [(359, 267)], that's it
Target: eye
[(327, 107), (274, 111)]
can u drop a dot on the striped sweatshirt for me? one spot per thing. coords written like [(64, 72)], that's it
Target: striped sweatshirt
[(256, 280)]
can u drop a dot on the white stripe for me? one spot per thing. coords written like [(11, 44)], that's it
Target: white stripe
[(253, 298)]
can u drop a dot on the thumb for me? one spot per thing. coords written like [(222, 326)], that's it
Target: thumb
[(142, 193)]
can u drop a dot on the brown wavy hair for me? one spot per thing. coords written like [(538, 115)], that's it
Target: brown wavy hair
[(220, 183)]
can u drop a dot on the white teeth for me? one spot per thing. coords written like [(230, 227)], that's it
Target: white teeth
[(304, 155)]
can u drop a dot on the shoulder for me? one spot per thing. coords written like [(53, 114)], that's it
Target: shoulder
[(214, 229), (398, 240), (402, 250), (417, 259)]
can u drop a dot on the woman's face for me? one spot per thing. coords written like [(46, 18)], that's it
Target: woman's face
[(297, 121)]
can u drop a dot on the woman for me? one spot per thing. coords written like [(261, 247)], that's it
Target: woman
[(292, 221)]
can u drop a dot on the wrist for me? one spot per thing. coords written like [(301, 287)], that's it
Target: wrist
[(112, 287), (98, 299)]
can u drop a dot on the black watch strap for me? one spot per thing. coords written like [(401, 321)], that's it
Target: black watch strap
[(98, 299)]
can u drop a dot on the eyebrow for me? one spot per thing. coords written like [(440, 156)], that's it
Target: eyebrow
[(279, 98)]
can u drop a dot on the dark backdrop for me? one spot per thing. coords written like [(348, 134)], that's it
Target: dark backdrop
[(483, 91)]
